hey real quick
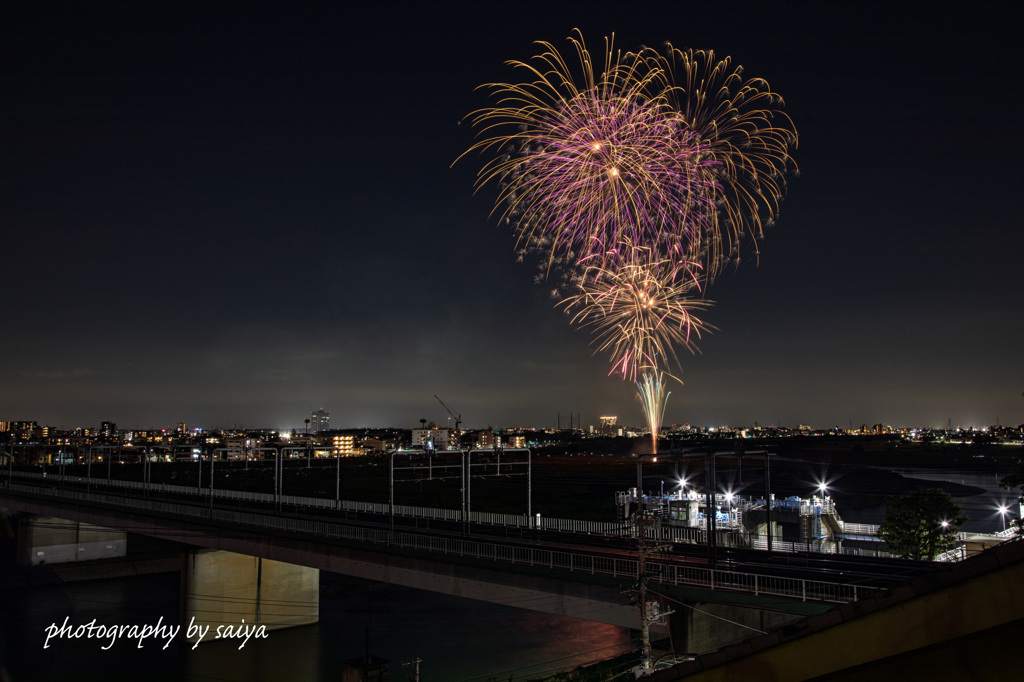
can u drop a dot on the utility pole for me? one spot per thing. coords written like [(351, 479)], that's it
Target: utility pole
[(416, 670), (650, 611), (711, 504)]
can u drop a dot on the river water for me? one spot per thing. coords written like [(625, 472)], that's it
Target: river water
[(982, 509), (456, 639)]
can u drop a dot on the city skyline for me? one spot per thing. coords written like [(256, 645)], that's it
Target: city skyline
[(562, 422), (227, 218)]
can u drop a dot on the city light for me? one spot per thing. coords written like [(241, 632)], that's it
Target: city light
[(1002, 512)]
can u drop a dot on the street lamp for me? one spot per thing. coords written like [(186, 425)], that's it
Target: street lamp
[(1002, 512)]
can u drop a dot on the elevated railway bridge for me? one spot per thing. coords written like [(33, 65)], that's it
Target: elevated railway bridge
[(572, 550)]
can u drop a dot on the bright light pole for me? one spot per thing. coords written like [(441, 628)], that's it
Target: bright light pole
[(391, 488), (1002, 512)]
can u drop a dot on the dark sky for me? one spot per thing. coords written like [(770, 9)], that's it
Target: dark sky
[(234, 214)]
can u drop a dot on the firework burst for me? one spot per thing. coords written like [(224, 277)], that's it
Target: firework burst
[(740, 124), (641, 310), (587, 161), (637, 182)]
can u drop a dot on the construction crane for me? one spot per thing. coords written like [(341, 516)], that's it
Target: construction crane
[(458, 419)]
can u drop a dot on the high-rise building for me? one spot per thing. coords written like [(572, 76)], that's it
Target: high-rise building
[(108, 430), (319, 421)]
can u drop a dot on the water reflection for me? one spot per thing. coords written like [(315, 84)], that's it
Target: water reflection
[(982, 509), (457, 639)]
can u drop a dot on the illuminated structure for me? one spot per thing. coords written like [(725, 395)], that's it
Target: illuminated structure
[(319, 421), (433, 438), (108, 431), (345, 446), (488, 438)]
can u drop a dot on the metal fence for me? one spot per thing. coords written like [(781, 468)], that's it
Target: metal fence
[(663, 572), (659, 533), (859, 528)]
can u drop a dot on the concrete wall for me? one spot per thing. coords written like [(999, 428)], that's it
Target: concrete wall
[(961, 623), (50, 540), (224, 588), (700, 627)]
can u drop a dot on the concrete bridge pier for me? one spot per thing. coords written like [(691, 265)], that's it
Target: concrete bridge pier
[(221, 589), (701, 627), (50, 540)]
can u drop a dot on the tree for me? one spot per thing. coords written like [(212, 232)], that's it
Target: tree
[(922, 524)]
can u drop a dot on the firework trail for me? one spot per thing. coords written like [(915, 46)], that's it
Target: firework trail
[(651, 388)]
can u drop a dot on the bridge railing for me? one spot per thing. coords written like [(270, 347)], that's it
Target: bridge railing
[(489, 518), (661, 533), (537, 557), (859, 528)]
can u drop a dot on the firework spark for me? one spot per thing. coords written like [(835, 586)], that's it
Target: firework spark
[(641, 310), (651, 388), (740, 123), (588, 161)]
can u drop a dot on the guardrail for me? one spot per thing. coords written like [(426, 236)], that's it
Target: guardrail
[(660, 533), (663, 572), (664, 533), (859, 528)]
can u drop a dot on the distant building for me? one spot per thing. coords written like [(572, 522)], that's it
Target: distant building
[(239, 447), (319, 420), (371, 445), (108, 431), (608, 424), (345, 445), (488, 438), (433, 439)]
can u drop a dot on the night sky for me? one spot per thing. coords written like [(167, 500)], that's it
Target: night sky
[(234, 214)]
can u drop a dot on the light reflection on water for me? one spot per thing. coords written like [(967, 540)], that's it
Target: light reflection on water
[(457, 639)]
